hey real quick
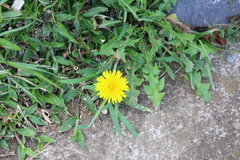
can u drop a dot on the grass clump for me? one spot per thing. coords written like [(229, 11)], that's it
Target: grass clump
[(52, 52)]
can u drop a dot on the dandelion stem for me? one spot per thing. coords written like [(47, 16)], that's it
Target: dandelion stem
[(115, 65), (98, 112)]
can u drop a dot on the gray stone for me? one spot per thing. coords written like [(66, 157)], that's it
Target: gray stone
[(203, 12), (232, 57)]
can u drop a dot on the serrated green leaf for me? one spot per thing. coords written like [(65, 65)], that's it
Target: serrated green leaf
[(153, 15), (191, 50), (202, 48), (133, 82), (107, 48), (68, 124), (148, 89), (161, 84), (202, 89), (188, 37), (133, 94), (189, 65), (207, 50), (156, 98), (155, 86), (167, 5), (151, 71), (176, 42), (169, 70), (123, 45)]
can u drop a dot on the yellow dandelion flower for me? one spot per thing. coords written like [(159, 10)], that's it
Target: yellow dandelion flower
[(112, 86)]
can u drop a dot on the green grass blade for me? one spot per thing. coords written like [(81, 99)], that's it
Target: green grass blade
[(128, 125), (24, 90), (21, 66), (115, 119), (16, 30), (124, 3), (8, 45)]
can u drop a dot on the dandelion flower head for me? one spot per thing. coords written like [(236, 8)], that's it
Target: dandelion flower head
[(111, 86)]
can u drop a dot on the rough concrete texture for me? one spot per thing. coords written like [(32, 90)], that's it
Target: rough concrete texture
[(200, 12), (184, 127)]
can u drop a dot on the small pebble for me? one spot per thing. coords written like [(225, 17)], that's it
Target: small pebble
[(105, 111), (232, 57)]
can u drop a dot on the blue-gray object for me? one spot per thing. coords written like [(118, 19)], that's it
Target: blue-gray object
[(232, 57), (204, 12)]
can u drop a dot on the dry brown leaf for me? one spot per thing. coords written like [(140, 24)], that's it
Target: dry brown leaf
[(46, 115), (218, 39), (4, 119), (200, 28), (179, 25), (6, 6)]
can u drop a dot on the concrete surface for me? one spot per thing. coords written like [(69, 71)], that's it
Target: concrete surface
[(184, 127), (200, 12)]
